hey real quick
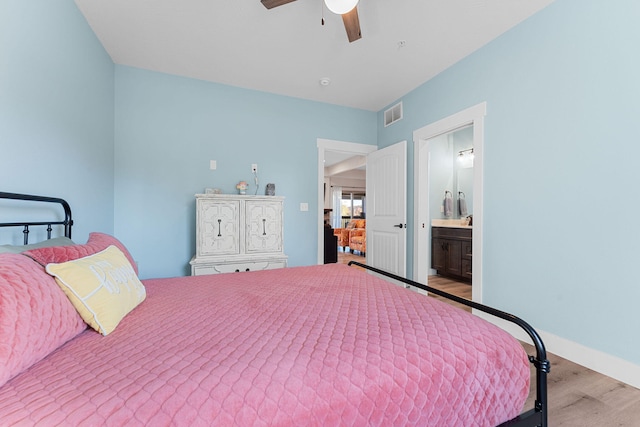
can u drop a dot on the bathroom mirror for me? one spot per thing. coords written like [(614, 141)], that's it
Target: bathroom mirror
[(465, 186), (451, 169)]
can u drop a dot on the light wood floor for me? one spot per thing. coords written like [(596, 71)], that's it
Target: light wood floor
[(578, 397), (345, 256)]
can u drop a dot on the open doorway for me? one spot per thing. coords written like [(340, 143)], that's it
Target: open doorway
[(346, 204), (344, 157), (427, 205)]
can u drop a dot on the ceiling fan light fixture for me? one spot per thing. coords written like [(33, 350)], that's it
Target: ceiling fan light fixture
[(340, 7)]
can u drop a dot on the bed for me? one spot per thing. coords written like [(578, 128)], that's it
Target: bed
[(318, 345)]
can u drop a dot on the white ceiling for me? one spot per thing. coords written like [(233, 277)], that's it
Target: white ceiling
[(287, 51)]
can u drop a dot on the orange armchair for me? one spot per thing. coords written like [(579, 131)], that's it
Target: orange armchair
[(344, 234), (358, 240)]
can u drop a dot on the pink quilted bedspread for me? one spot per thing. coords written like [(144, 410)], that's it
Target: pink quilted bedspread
[(321, 345)]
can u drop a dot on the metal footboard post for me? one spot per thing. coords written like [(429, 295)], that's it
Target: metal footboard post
[(25, 233), (543, 367)]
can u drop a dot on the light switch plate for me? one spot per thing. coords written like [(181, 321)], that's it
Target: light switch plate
[(213, 165)]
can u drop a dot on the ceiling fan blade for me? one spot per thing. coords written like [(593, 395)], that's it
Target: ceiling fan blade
[(274, 3), (352, 25)]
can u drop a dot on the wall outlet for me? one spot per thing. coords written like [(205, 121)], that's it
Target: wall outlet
[(213, 165), (254, 167), (304, 207)]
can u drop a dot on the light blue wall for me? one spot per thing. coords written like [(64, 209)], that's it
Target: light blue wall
[(131, 167), (56, 110), (168, 128), (560, 155), (560, 196)]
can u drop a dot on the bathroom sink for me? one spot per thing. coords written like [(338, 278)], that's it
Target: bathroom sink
[(452, 223)]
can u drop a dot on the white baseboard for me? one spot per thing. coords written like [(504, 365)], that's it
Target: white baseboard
[(596, 360)]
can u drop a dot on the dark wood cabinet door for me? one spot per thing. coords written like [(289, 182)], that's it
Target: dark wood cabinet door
[(454, 257), (438, 254), (466, 269), (467, 249), (451, 251)]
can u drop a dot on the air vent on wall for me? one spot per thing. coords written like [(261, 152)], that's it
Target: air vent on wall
[(393, 114)]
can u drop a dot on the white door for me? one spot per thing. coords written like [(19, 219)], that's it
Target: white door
[(387, 208)]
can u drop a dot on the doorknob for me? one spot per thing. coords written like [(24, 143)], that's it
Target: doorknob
[(399, 225)]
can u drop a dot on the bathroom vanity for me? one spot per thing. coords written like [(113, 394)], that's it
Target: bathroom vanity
[(451, 252)]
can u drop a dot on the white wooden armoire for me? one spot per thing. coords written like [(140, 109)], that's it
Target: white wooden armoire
[(236, 233)]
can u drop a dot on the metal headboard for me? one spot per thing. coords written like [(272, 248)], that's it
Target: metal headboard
[(67, 222)]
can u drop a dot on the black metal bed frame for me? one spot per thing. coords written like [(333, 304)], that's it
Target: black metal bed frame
[(67, 222), (536, 417)]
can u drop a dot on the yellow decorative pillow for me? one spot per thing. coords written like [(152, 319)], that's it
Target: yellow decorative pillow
[(103, 287)]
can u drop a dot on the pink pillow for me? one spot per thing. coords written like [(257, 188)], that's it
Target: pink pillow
[(97, 242), (36, 317)]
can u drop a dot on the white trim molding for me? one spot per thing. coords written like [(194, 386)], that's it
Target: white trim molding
[(596, 360)]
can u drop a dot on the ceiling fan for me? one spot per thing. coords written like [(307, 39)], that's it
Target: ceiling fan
[(347, 8)]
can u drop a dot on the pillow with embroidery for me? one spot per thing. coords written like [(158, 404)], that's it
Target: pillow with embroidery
[(102, 287)]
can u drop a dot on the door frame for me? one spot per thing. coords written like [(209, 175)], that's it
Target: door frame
[(354, 148), (421, 248)]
